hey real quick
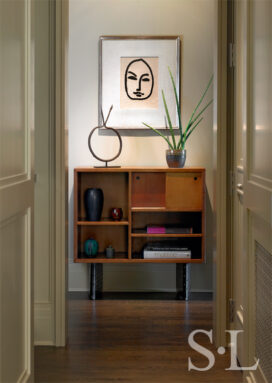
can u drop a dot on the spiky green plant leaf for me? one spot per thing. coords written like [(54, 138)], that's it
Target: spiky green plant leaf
[(169, 120), (201, 112), (199, 103), (161, 134), (193, 128), (177, 101), (192, 124)]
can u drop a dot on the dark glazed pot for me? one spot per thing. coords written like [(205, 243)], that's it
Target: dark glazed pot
[(94, 200), (175, 158), (117, 213)]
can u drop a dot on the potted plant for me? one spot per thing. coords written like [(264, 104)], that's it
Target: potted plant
[(176, 152)]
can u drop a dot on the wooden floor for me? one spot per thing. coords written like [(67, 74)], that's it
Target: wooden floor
[(132, 341)]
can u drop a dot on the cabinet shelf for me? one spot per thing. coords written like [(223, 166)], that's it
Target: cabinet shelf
[(161, 210), (162, 260), (106, 222), (123, 258), (143, 235), (101, 258)]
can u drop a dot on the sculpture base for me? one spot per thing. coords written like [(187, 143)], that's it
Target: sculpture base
[(106, 166)]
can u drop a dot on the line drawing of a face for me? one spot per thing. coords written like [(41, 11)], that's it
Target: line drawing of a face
[(139, 80)]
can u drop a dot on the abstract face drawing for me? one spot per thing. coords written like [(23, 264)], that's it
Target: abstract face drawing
[(139, 80)]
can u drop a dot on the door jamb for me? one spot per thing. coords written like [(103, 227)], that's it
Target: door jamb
[(220, 172), (61, 173), (221, 176), (231, 182)]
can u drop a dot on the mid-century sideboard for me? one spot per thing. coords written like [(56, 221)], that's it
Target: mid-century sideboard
[(157, 196)]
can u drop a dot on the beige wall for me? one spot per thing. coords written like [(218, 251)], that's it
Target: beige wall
[(89, 19)]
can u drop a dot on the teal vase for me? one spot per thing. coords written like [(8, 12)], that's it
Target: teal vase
[(91, 247)]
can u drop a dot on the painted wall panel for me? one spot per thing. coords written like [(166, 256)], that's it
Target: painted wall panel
[(14, 298), (261, 90), (12, 88)]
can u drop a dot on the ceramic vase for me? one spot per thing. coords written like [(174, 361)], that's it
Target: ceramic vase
[(175, 158), (91, 247), (117, 213), (110, 252), (94, 200)]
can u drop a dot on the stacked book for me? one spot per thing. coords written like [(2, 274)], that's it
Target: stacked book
[(157, 250), (154, 229)]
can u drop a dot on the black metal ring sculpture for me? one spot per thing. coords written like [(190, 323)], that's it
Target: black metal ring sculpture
[(115, 131)]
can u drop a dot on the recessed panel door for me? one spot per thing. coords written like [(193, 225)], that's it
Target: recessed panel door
[(252, 195), (16, 192)]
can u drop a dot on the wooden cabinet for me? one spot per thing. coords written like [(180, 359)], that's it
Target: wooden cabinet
[(147, 196)]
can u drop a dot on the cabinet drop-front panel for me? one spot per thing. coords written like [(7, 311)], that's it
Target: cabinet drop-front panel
[(148, 189), (184, 191)]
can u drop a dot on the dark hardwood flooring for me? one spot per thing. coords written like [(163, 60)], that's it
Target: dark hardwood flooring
[(139, 341)]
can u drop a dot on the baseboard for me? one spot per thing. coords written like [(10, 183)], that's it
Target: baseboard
[(44, 343), (77, 290), (143, 291), (139, 295), (44, 324), (24, 377), (257, 376)]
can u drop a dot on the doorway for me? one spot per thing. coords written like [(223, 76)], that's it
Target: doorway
[(143, 145)]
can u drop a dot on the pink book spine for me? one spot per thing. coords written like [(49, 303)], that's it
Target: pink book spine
[(156, 230)]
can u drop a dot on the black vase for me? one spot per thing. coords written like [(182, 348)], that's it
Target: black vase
[(93, 199)]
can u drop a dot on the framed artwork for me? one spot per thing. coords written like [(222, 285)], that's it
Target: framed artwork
[(132, 73)]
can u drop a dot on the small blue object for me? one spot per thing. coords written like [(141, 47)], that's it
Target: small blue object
[(91, 247)]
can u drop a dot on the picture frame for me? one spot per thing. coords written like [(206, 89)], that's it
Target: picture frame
[(133, 71)]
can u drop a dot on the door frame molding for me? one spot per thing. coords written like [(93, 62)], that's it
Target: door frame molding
[(61, 172), (221, 179), (220, 160)]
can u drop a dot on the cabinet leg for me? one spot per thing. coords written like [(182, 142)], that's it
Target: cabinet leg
[(183, 280), (187, 280), (96, 280), (179, 280)]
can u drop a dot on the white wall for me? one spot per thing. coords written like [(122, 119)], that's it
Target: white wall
[(89, 19)]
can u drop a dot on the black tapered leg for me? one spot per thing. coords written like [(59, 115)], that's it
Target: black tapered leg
[(96, 280), (183, 280), (187, 281), (179, 281)]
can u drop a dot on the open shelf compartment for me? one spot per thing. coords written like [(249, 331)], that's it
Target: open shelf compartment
[(115, 189), (194, 244), (116, 236), (174, 220)]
